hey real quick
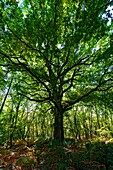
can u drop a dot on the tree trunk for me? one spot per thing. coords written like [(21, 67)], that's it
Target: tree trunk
[(4, 100), (58, 127)]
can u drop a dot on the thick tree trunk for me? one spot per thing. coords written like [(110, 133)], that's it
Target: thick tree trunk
[(58, 127)]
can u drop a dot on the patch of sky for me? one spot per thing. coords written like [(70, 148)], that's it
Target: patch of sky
[(20, 3), (110, 68), (108, 15), (83, 8), (3, 68), (111, 31), (95, 49), (43, 45), (76, 51), (60, 46)]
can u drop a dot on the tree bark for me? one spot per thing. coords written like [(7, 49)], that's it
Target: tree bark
[(58, 126), (4, 100)]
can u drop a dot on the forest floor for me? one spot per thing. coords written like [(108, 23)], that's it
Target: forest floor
[(80, 155)]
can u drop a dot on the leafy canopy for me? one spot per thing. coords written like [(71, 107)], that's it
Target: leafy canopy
[(61, 51)]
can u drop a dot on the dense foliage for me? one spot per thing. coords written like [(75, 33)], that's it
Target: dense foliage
[(56, 65)]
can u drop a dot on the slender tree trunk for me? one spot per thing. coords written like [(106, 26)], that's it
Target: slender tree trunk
[(98, 121), (90, 124), (58, 127), (36, 126), (4, 100), (77, 133), (11, 140)]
